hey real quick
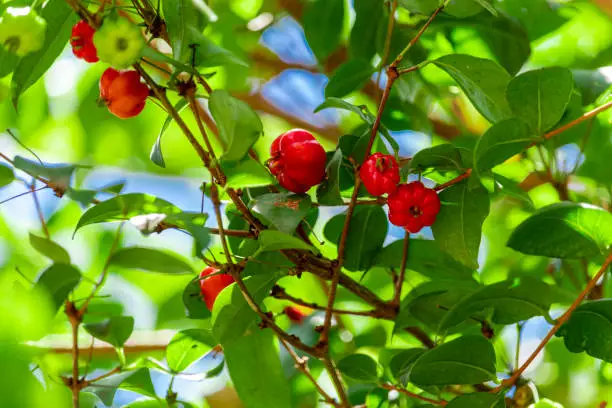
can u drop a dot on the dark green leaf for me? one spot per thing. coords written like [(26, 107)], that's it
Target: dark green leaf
[(402, 362), (193, 301), (50, 249), (424, 257), (6, 175), (216, 371), (138, 381), (59, 174), (359, 367), (442, 157), (246, 173), (193, 223), (60, 19), (467, 8), (478, 400), (510, 301), (187, 347), (589, 329), (541, 96), (270, 240), (564, 230), (483, 81), (232, 317), (510, 188), (338, 103), (58, 281), (156, 155), (239, 126), (115, 330), (209, 54), (420, 6), (182, 19), (350, 76), (502, 141), (365, 237), (362, 42), (323, 23), (126, 206), (151, 260), (328, 192), (284, 211), (248, 358), (466, 360), (458, 226)]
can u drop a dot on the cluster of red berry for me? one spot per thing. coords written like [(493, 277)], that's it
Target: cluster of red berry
[(122, 91), (298, 163)]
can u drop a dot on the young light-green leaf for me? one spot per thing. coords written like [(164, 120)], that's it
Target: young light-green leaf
[(248, 172), (359, 367), (270, 240), (150, 260), (187, 347), (483, 81), (500, 142), (114, 330), (6, 175), (458, 227), (564, 230), (540, 96), (239, 126), (50, 249), (466, 360)]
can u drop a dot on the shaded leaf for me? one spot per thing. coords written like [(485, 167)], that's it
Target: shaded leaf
[(187, 347), (564, 230), (6, 175), (209, 54), (443, 157), (402, 362), (59, 174), (359, 367), (478, 400), (114, 330), (329, 192), (284, 211), (58, 281), (193, 301), (151, 260), (138, 381), (589, 329), (182, 17), (349, 77), (50, 249), (362, 42), (156, 155), (323, 23)]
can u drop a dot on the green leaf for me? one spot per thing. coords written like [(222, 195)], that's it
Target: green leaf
[(151, 260), (350, 76), (483, 81), (458, 227), (59, 174), (239, 126), (284, 211), (541, 96), (500, 142), (115, 330), (467, 8), (193, 301), (209, 54), (248, 172), (323, 24), (402, 362), (8, 62), (187, 347), (138, 381), (146, 403), (156, 155), (424, 257), (510, 301), (420, 6), (182, 18), (365, 238), (508, 187), (248, 358), (123, 207), (362, 43), (443, 157), (60, 19), (232, 317), (58, 281), (338, 103), (328, 192), (564, 230), (270, 240), (6, 175), (359, 367), (50, 249), (589, 328), (466, 360), (193, 223), (478, 400)]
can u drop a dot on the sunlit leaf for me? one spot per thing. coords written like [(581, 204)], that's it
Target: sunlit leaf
[(150, 260), (187, 347)]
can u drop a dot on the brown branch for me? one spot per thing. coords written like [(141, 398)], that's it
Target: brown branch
[(413, 395), (387, 49), (75, 321), (400, 280), (560, 321), (456, 180)]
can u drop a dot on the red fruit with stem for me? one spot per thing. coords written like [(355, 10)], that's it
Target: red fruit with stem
[(211, 287), (298, 160), (123, 93), (81, 41), (294, 314), (380, 174), (413, 206)]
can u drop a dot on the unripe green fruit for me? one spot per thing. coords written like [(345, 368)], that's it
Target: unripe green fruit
[(545, 403), (21, 31), (119, 43)]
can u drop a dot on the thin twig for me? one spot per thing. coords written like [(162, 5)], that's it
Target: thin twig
[(400, 280), (560, 321), (387, 49), (41, 216), (22, 194), (413, 395)]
